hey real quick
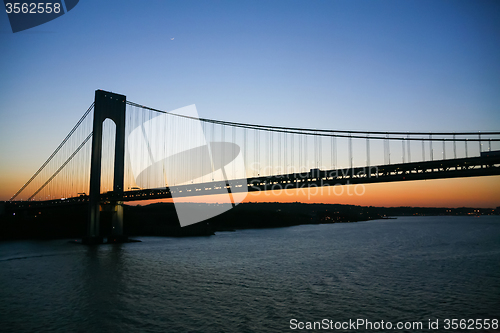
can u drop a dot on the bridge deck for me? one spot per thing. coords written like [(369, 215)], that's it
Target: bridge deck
[(452, 168)]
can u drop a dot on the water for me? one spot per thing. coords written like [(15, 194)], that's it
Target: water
[(409, 269)]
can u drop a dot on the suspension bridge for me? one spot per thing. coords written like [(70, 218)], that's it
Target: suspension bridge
[(123, 151)]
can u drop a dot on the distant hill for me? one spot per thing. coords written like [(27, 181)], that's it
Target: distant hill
[(160, 219)]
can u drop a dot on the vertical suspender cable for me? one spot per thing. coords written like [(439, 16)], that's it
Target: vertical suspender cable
[(444, 150), (431, 150), (454, 146), (480, 144), (280, 171), (271, 152), (285, 138), (403, 150), (304, 152), (423, 151), (319, 147), (350, 151), (234, 150), (367, 151), (315, 150), (255, 152), (300, 152), (409, 152)]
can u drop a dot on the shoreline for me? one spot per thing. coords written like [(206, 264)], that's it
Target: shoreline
[(160, 219)]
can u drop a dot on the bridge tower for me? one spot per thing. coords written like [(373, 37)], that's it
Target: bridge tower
[(112, 106)]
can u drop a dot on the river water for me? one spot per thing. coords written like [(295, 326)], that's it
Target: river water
[(411, 269)]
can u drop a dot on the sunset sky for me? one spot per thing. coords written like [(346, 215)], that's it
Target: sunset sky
[(347, 65)]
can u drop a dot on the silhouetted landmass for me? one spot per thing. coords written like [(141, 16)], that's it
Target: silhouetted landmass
[(160, 219)]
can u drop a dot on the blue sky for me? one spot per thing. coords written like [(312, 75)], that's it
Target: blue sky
[(360, 65)]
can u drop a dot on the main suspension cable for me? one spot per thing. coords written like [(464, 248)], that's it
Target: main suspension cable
[(54, 153), (326, 132)]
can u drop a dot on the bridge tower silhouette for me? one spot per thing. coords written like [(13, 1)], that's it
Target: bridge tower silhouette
[(107, 106)]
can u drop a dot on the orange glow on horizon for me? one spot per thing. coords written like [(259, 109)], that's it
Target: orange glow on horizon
[(480, 192)]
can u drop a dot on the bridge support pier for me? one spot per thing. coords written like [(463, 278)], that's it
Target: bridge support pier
[(112, 106), (117, 235)]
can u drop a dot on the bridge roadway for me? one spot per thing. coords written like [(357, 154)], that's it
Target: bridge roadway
[(439, 169)]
